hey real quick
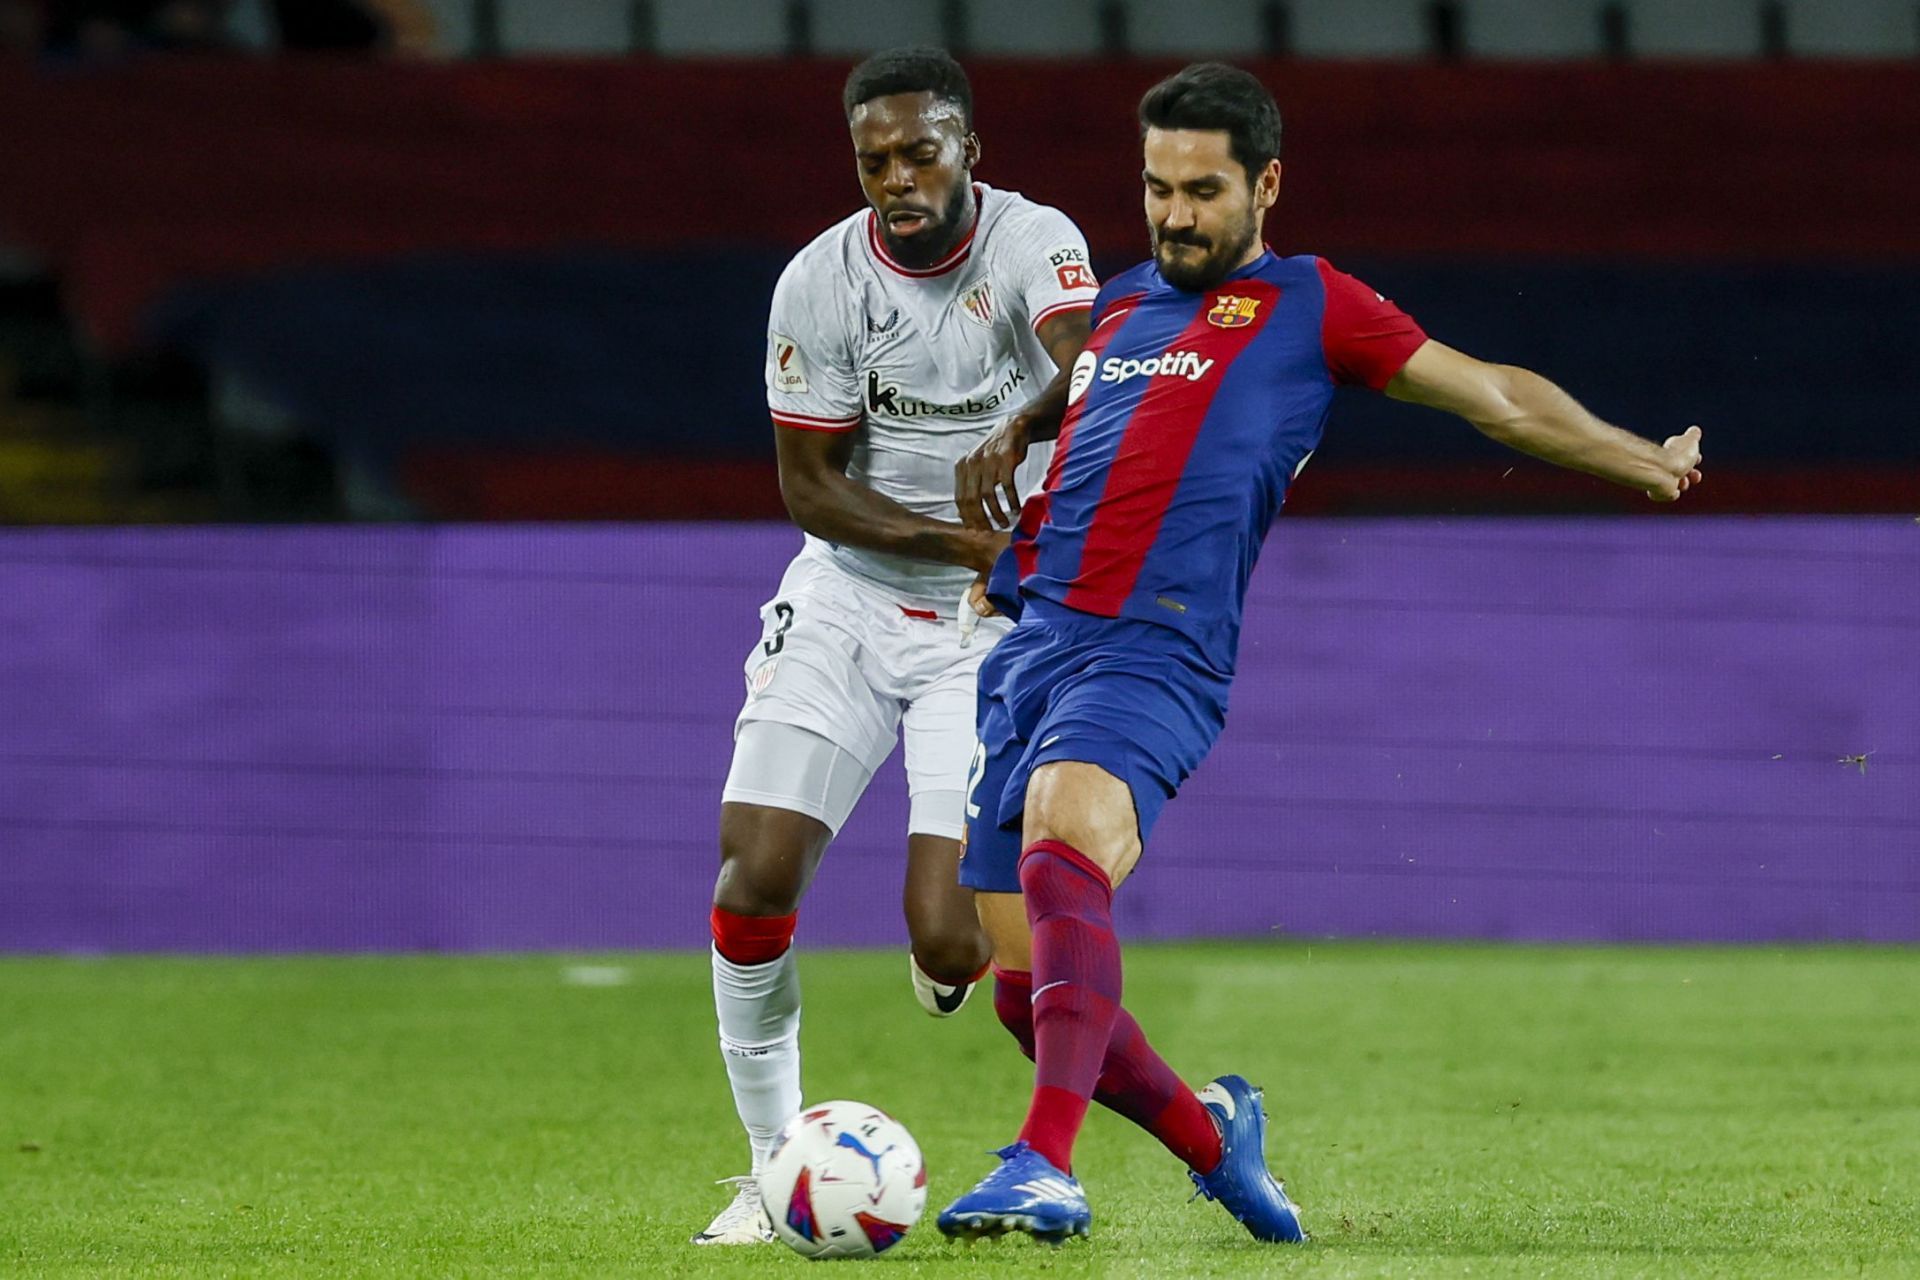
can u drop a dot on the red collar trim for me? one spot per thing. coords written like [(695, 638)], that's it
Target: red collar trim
[(940, 268)]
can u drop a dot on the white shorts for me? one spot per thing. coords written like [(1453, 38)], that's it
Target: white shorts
[(855, 666)]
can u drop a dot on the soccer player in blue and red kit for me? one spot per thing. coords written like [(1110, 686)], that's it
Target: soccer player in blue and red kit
[(1201, 393)]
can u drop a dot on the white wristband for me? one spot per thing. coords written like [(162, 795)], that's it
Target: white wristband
[(969, 620)]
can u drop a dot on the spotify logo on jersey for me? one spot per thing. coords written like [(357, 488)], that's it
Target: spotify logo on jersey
[(1083, 371), (1174, 364)]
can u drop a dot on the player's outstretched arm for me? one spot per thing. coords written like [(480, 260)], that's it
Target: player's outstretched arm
[(824, 502), (984, 474), (1524, 411)]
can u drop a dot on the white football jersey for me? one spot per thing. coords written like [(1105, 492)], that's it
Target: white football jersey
[(922, 363)]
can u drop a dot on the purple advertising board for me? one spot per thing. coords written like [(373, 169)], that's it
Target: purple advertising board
[(514, 737)]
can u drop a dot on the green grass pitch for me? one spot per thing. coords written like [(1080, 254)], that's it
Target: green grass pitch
[(1438, 1111)]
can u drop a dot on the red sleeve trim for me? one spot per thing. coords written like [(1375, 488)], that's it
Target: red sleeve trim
[(807, 422), (1364, 338), (1059, 309)]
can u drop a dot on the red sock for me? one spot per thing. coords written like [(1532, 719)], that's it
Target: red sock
[(751, 939), (1076, 976), (1134, 1080), (1013, 1003)]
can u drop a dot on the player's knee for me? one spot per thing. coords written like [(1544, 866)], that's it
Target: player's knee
[(947, 937), (951, 951), (749, 887), (1084, 806), (763, 870)]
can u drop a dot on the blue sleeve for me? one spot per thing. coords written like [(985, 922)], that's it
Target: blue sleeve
[(1003, 584), (1129, 283)]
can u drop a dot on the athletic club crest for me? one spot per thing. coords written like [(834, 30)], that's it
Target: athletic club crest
[(1233, 312), (978, 303)]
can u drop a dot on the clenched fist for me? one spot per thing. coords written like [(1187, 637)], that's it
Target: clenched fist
[(981, 477), (1681, 459)]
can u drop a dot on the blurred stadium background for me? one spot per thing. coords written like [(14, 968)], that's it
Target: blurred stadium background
[(388, 497), (318, 304)]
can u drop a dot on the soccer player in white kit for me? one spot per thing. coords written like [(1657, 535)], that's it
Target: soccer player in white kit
[(898, 340)]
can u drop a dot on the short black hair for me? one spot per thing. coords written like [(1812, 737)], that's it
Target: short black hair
[(1213, 95), (919, 69)]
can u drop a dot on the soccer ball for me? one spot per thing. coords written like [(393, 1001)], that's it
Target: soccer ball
[(845, 1180)]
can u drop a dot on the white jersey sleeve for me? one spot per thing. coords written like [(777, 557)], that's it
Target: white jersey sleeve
[(1053, 274), (811, 381)]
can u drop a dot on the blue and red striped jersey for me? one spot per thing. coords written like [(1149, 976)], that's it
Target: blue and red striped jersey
[(1187, 415)]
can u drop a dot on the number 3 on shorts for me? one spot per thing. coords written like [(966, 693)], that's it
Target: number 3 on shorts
[(778, 640)]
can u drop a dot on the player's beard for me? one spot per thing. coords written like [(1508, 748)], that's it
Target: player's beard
[(1221, 255), (939, 239)]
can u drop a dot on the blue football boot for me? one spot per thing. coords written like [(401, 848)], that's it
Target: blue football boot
[(1241, 1182), (1026, 1193)]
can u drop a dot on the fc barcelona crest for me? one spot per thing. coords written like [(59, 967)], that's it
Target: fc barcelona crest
[(1232, 312)]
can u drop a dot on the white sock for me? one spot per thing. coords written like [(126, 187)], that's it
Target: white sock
[(759, 1008)]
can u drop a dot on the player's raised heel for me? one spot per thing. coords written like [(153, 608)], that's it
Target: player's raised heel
[(937, 998), (1026, 1193), (742, 1222), (1241, 1182)]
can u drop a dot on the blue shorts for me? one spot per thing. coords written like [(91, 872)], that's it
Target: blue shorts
[(1136, 699)]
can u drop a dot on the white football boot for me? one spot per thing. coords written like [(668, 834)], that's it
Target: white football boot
[(937, 998), (742, 1222)]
